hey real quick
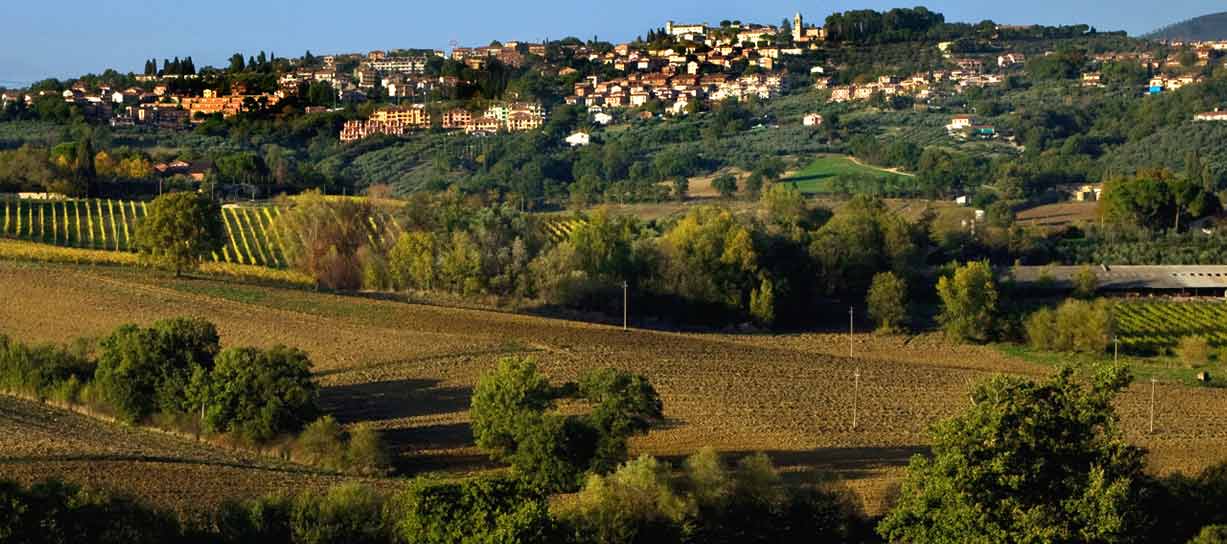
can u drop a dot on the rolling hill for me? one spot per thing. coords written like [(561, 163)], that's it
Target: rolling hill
[(1205, 28)]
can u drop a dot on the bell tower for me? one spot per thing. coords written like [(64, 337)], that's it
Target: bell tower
[(798, 27)]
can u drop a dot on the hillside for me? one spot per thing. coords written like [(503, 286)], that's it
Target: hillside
[(410, 369), (1211, 27)]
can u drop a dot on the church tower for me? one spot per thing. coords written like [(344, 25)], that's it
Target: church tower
[(798, 27)]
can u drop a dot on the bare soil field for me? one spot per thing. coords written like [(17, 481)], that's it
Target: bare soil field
[(1060, 215), (410, 370), (39, 442)]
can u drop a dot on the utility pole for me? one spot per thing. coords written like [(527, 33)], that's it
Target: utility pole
[(1152, 405), (625, 309), (1116, 351)]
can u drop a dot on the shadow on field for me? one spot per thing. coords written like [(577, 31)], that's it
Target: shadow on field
[(443, 436), (452, 463), (846, 463), (395, 399)]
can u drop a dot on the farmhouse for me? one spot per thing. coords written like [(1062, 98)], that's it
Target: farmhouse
[(812, 119), (1195, 279), (960, 122)]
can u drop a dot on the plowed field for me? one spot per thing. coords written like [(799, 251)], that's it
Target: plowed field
[(410, 370)]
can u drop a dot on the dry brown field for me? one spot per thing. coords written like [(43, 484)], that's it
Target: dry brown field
[(410, 370), (1060, 215)]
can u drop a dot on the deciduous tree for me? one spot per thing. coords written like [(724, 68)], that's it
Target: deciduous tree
[(180, 230)]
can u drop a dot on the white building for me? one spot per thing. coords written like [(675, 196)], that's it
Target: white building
[(812, 119), (578, 139)]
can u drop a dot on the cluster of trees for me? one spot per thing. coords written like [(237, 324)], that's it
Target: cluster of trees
[(176, 67), (176, 373), (1074, 326), (72, 168), (1156, 199), (644, 500), (708, 267), (869, 26), (515, 419)]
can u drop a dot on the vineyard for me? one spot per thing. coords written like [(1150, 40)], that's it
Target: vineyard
[(560, 229), (111, 225), (1149, 327)]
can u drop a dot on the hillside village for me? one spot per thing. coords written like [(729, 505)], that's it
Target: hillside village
[(684, 69)]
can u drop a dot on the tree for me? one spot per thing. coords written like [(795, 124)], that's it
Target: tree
[(623, 405), (478, 510), (259, 394), (1076, 325), (180, 230), (887, 302), (1085, 283), (514, 418), (726, 184), (1028, 462), (762, 303), (322, 238), (144, 371), (969, 301), (681, 187), (412, 260), (84, 174)]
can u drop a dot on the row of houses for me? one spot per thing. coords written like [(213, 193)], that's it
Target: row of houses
[(401, 120), (676, 91), (918, 85)]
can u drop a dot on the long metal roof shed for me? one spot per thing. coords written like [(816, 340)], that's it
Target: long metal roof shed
[(1125, 277)]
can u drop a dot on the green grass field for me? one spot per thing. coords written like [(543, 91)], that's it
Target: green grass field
[(835, 174)]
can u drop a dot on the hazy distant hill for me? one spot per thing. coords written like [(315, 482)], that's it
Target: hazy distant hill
[(1206, 27)]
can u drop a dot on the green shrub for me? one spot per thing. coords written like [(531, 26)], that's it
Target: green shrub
[(43, 371), (350, 514), (261, 394), (475, 511), (322, 443), (366, 453), (635, 504), (56, 512), (1076, 325), (254, 521), (1085, 283), (326, 444)]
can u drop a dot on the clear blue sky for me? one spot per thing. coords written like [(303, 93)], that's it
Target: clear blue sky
[(41, 38)]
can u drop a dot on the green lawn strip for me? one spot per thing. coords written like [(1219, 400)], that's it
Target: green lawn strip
[(1164, 370)]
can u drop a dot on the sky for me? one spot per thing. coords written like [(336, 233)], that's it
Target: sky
[(66, 38)]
